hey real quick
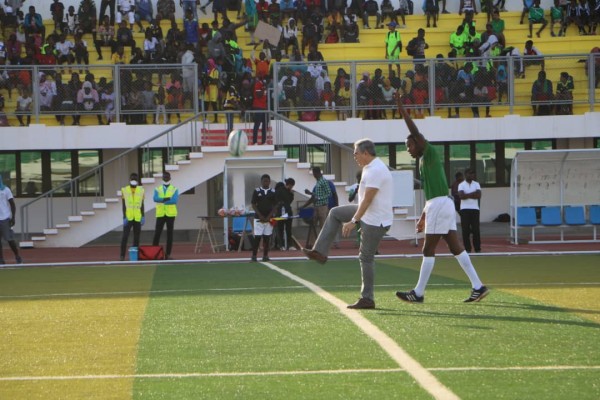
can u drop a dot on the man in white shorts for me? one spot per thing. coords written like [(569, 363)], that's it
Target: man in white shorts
[(7, 221), (264, 204), (438, 219), (126, 8)]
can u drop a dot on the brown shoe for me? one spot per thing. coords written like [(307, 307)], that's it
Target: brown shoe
[(315, 255), (363, 304)]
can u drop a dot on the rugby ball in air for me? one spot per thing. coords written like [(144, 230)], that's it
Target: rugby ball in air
[(237, 142)]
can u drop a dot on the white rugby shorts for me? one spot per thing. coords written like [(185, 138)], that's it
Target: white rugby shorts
[(440, 216), (262, 228)]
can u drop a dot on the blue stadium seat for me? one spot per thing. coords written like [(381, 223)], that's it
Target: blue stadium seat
[(241, 225), (551, 216), (526, 216), (595, 215), (574, 215)]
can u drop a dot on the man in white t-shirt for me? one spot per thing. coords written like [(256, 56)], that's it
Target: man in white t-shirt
[(373, 215), (469, 192), (7, 221)]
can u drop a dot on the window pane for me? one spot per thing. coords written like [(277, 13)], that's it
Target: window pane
[(403, 159), (31, 173), (541, 145), (316, 156), (510, 149), (152, 162), (180, 154), (460, 158), (60, 170), (8, 169), (89, 159), (383, 152), (485, 163)]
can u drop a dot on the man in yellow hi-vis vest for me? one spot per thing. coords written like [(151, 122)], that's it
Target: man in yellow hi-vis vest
[(133, 212), (165, 197)]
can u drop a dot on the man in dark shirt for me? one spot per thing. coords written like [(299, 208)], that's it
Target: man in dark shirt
[(285, 197), (263, 203)]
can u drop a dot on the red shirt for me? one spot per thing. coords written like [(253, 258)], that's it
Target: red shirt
[(259, 100)]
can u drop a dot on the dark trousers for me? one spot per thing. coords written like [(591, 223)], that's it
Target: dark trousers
[(103, 5), (160, 223), (137, 228), (260, 119), (284, 228), (469, 221)]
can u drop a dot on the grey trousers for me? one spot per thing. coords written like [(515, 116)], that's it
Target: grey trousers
[(370, 237)]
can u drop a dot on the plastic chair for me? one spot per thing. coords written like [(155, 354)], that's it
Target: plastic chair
[(526, 216), (574, 215), (595, 215), (551, 216), (241, 226)]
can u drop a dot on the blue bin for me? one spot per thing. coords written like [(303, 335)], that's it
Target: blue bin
[(133, 253)]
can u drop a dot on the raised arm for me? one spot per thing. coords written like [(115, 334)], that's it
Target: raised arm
[(414, 131)]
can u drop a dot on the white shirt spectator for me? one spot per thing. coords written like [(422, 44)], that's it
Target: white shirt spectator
[(64, 48), (467, 188)]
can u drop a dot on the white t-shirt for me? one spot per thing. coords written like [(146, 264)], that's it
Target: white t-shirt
[(469, 204), (64, 49), (5, 196), (377, 175)]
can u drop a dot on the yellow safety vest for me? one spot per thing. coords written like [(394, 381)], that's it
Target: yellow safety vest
[(133, 203), (162, 209)]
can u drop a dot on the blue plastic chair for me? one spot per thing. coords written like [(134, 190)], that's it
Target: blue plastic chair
[(595, 215), (526, 216), (551, 216), (574, 215), (243, 227)]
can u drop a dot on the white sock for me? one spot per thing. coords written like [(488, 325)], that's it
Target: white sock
[(426, 269), (465, 262)]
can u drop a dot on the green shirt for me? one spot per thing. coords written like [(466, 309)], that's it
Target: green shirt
[(556, 13), (433, 177), (497, 25), (536, 14), (391, 40)]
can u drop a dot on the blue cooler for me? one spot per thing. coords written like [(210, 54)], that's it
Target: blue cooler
[(133, 253)]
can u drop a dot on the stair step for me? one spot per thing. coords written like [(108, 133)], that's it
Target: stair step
[(148, 180), (280, 153), (157, 175), (88, 213), (38, 238), (293, 160), (196, 155), (63, 226), (303, 165), (75, 218), (98, 206), (171, 167), (111, 200), (50, 231), (26, 245), (184, 162)]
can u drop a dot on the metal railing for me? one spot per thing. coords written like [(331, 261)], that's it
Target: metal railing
[(333, 156), (429, 84)]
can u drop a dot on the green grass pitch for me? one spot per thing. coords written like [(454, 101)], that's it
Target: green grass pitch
[(244, 331)]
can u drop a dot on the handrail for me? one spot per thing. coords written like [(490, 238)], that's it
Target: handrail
[(72, 185)]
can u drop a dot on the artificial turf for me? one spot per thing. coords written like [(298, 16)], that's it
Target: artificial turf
[(241, 330)]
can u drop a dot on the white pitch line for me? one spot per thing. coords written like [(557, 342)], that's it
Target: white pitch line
[(423, 377), (288, 373), (234, 289)]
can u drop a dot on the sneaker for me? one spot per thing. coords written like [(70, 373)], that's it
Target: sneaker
[(254, 259), (266, 259), (19, 260), (362, 304), (477, 295), (292, 248), (410, 297), (315, 255)]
